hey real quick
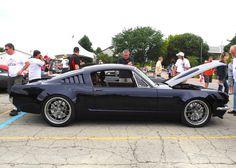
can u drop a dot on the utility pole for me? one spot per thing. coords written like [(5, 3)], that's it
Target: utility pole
[(201, 54)]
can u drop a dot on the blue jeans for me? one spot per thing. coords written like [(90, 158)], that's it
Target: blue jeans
[(224, 84), (234, 97)]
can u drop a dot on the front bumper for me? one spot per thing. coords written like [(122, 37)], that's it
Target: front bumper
[(220, 111), (225, 108)]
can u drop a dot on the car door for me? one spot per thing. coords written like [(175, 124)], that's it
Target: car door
[(138, 98), (169, 100)]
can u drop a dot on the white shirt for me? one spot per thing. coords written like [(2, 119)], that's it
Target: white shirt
[(158, 68), (182, 65), (15, 63), (65, 63), (35, 68), (234, 69)]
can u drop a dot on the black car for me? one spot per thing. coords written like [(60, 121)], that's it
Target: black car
[(98, 89), (3, 77)]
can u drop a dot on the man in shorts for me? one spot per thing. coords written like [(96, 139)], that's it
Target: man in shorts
[(208, 74)]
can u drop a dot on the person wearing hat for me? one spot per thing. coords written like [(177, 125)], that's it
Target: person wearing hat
[(48, 66), (182, 64)]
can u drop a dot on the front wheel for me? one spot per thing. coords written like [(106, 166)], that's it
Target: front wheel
[(196, 113), (58, 111)]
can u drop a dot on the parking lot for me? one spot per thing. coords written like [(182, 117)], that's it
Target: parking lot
[(27, 141)]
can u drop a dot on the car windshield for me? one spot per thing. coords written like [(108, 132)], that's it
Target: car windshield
[(143, 75)]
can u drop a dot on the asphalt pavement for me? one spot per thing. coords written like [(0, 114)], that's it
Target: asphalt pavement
[(28, 142)]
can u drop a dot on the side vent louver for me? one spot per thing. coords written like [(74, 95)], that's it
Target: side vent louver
[(77, 79)]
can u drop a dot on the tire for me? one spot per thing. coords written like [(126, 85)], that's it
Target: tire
[(58, 111), (197, 113)]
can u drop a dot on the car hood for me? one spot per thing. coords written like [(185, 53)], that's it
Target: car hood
[(192, 72)]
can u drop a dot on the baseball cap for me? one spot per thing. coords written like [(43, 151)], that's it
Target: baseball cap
[(45, 57), (180, 54)]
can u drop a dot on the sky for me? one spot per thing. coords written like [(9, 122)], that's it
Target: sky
[(48, 25)]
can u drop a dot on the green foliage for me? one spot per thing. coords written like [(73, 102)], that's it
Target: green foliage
[(144, 43), (193, 61), (188, 43), (1, 49), (85, 43), (106, 59), (231, 42), (98, 51)]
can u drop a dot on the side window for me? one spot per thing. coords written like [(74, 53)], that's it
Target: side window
[(140, 82), (113, 78), (99, 79), (95, 79)]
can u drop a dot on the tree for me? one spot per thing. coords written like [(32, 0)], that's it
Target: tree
[(231, 42), (106, 59), (144, 43), (85, 43), (188, 43), (98, 51)]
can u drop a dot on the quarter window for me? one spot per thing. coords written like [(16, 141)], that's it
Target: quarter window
[(140, 82)]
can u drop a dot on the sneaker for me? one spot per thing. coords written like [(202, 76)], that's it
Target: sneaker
[(13, 113), (232, 112)]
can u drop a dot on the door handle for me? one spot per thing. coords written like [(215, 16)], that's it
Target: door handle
[(97, 90)]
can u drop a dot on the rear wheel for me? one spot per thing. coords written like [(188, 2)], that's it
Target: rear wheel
[(196, 113), (58, 111)]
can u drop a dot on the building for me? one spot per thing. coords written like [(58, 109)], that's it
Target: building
[(216, 49), (109, 51)]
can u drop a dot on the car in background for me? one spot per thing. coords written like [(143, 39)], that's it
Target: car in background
[(3, 77), (98, 90)]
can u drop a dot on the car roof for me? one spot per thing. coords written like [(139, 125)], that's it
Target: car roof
[(92, 68), (107, 67)]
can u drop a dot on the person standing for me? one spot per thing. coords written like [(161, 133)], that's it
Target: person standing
[(230, 77), (170, 69), (158, 67), (74, 60), (222, 73), (15, 64), (124, 76), (182, 64), (208, 74), (65, 65), (48, 66), (233, 52), (35, 66), (126, 59)]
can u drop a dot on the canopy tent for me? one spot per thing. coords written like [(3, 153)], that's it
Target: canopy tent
[(68, 50)]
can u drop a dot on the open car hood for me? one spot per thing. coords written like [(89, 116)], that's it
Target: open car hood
[(192, 72)]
